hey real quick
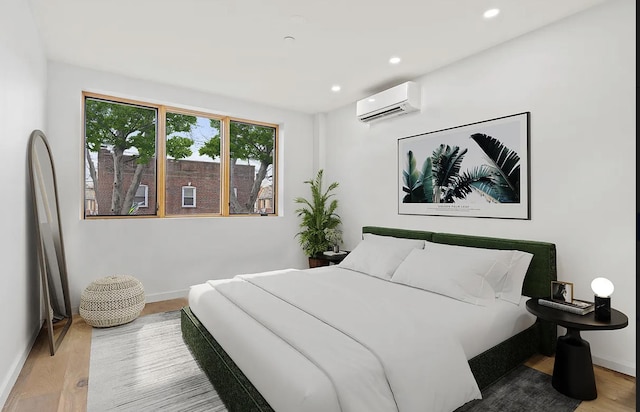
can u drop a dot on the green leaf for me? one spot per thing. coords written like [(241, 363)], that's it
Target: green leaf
[(427, 180), (412, 181), (179, 147), (479, 178), (506, 166)]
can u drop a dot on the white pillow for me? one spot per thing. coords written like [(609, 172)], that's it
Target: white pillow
[(512, 288), (379, 255), (492, 264), (505, 270), (460, 279)]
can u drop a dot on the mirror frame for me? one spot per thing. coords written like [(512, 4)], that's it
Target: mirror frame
[(38, 137)]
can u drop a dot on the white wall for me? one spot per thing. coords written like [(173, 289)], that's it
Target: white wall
[(22, 98), (169, 255), (577, 78)]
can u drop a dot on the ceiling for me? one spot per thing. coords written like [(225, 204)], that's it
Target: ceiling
[(237, 48)]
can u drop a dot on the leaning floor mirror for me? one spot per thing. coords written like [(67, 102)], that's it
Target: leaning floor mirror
[(50, 247)]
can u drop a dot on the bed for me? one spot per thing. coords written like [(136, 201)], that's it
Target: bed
[(267, 342)]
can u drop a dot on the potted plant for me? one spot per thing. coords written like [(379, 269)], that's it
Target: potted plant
[(334, 237), (318, 214)]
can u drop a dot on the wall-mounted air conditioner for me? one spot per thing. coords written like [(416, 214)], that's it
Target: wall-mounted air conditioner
[(403, 98)]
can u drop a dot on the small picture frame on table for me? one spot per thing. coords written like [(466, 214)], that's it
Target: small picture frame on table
[(562, 291)]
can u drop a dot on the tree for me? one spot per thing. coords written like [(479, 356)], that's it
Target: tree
[(122, 128), (246, 142)]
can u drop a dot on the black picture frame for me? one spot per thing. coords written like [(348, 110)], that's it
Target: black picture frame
[(562, 291), (476, 170)]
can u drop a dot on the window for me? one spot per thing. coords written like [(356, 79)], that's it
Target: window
[(193, 156), (251, 167), (141, 198), (120, 151), (148, 159), (188, 196)]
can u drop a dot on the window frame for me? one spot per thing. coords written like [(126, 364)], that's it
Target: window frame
[(161, 158), (194, 196), (146, 194)]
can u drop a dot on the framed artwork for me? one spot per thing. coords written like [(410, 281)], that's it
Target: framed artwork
[(562, 291), (476, 170)]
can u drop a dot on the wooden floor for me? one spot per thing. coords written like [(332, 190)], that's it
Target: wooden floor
[(60, 382)]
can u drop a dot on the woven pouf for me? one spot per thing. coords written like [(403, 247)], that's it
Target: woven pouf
[(111, 301)]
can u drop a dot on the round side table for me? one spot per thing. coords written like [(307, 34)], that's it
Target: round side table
[(573, 368)]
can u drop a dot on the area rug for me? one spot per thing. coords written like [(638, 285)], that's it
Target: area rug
[(145, 366), (522, 390)]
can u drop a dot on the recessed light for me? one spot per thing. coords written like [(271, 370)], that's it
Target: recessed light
[(491, 13), (394, 60), (289, 39), (335, 88)]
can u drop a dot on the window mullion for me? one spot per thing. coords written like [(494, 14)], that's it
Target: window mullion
[(161, 152), (225, 165)]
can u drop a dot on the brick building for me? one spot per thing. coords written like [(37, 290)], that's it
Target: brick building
[(193, 187)]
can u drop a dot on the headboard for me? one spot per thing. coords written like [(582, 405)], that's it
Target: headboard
[(542, 269)]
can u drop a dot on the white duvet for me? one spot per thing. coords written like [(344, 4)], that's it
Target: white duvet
[(370, 339)]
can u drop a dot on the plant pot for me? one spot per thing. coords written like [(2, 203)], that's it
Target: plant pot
[(315, 262)]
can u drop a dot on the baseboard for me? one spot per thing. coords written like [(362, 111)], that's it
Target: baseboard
[(615, 366), (157, 297), (16, 368)]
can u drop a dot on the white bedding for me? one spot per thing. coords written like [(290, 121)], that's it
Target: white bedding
[(407, 347)]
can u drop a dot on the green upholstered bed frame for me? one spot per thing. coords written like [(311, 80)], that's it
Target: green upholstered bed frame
[(239, 395)]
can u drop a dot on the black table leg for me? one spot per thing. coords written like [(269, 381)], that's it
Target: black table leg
[(573, 369)]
